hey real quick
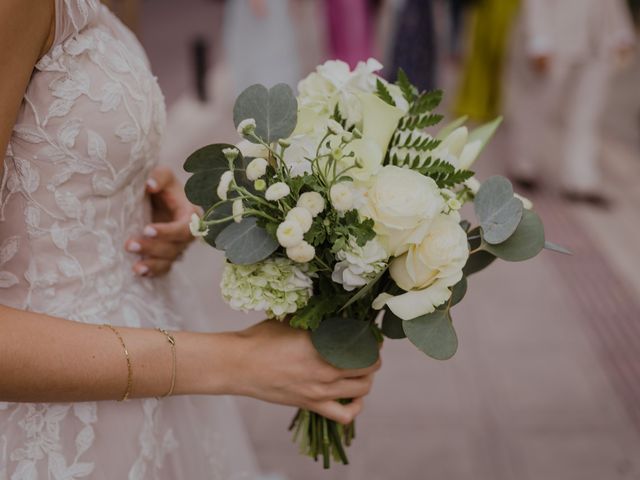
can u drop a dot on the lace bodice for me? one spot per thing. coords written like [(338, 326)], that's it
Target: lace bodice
[(87, 134)]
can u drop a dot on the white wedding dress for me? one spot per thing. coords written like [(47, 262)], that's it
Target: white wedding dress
[(85, 139)]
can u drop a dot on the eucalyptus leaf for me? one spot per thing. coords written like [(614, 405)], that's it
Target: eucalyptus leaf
[(223, 211), (497, 209), (433, 334), (275, 111), (392, 325), (360, 294), (346, 343), (525, 243), (477, 262), (458, 291), (554, 247), (246, 243), (207, 165)]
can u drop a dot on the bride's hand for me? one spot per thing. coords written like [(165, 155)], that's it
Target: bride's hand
[(164, 240), (279, 364)]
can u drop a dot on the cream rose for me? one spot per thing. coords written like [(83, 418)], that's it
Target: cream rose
[(429, 268), (402, 203)]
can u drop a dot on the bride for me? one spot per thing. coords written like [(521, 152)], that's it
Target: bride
[(102, 373)]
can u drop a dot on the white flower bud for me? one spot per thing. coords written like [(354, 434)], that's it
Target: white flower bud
[(301, 253), (284, 143), (194, 226), (334, 127), (247, 126), (347, 137), (230, 153), (223, 186), (341, 196), (237, 209), (302, 216), (277, 191), (289, 234), (256, 168), (259, 185), (312, 201)]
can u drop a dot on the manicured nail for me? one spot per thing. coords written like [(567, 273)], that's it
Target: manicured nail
[(141, 269), (134, 247), (152, 184), (149, 231)]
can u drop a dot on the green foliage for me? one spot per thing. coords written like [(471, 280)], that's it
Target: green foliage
[(310, 316), (477, 262), (346, 343), (392, 325), (317, 234), (444, 174), (433, 334), (426, 102), (419, 122), (409, 91), (223, 211), (275, 111), (498, 210), (458, 291), (554, 247), (246, 243), (364, 291), (383, 93), (525, 243)]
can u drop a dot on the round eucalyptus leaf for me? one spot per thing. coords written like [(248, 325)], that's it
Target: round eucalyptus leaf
[(346, 343), (223, 211), (433, 334), (458, 291), (392, 325), (207, 166), (525, 243), (497, 209), (478, 262), (275, 111), (246, 243)]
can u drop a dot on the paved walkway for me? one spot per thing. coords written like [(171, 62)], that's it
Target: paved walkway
[(546, 384)]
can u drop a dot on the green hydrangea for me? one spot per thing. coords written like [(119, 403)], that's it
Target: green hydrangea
[(276, 286)]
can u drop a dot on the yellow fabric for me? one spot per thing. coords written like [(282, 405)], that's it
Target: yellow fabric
[(480, 90)]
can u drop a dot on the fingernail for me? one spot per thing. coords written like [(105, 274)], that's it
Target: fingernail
[(134, 247), (149, 231), (152, 184), (141, 269)]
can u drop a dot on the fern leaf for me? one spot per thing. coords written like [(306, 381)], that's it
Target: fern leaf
[(383, 93)]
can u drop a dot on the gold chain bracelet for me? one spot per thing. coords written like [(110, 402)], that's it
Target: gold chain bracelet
[(172, 342), (127, 392)]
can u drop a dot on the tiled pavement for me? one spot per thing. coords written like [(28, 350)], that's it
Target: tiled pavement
[(546, 384)]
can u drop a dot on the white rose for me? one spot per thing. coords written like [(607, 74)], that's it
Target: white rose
[(256, 168), (303, 252), (237, 209), (428, 269), (402, 203), (277, 191), (223, 186), (246, 126), (289, 233), (194, 226), (250, 149), (312, 201), (302, 216), (341, 196)]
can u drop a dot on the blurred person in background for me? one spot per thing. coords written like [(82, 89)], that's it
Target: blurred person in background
[(260, 43), (565, 51), (349, 27), (414, 43), (480, 91)]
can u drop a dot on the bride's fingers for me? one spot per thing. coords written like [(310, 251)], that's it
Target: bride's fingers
[(176, 231), (341, 413), (159, 178), (152, 267), (349, 388), (155, 248), (362, 372)]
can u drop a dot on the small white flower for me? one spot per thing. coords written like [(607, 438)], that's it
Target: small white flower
[(289, 233), (194, 226), (250, 149), (334, 127), (247, 126), (277, 191), (347, 137), (301, 253), (302, 216), (256, 168), (237, 210), (312, 201), (357, 265), (223, 186), (341, 197), (230, 153), (454, 204)]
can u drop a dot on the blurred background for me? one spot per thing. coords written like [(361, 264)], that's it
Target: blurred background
[(546, 383)]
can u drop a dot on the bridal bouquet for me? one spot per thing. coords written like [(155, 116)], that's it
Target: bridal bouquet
[(339, 212)]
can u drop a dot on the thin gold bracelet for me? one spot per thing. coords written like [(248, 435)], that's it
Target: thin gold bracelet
[(172, 342), (127, 392)]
